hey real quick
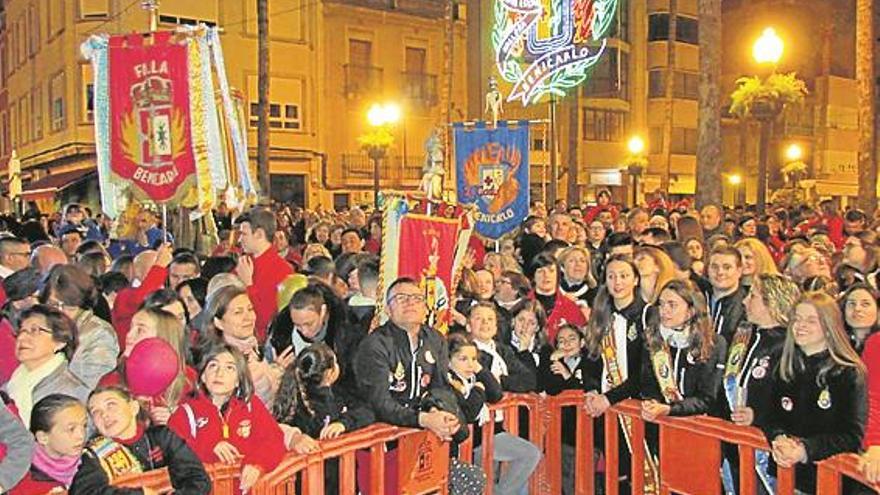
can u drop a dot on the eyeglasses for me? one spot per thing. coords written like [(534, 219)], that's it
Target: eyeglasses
[(502, 281), (32, 330), (407, 298), (60, 306)]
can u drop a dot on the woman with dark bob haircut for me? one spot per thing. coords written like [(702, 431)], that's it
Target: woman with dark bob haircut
[(72, 291)]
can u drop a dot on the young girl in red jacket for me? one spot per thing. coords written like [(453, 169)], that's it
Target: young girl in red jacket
[(226, 422), (59, 424)]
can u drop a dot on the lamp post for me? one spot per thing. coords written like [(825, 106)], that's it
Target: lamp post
[(735, 180), (767, 51), (381, 118), (636, 164)]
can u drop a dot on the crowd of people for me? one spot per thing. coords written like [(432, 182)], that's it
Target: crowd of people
[(272, 342)]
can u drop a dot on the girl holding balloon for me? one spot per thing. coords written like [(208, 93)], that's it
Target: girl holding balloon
[(163, 382), (226, 422)]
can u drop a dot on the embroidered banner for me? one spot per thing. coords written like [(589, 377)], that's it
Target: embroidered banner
[(150, 122), (492, 170), (427, 248)]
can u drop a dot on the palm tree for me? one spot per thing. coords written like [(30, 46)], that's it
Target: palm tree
[(865, 80), (709, 117), (263, 97)]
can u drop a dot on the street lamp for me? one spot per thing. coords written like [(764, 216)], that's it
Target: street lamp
[(768, 48), (735, 180), (794, 152), (766, 51), (381, 118), (636, 163)]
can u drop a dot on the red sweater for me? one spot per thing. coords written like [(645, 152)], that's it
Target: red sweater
[(31, 486), (128, 301), (563, 310), (252, 430), (871, 358), (8, 361), (269, 271)]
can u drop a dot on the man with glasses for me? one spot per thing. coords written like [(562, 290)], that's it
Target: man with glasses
[(15, 255), (399, 362)]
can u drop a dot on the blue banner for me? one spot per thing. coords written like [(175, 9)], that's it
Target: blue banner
[(492, 170)]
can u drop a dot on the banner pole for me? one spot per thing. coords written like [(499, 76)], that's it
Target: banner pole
[(164, 223)]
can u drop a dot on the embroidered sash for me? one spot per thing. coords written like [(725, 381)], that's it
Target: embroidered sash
[(115, 459), (665, 374), (609, 358)]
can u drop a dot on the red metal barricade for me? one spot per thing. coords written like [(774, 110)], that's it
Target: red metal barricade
[(690, 456), (830, 474)]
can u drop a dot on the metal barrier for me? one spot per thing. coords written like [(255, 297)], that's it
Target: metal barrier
[(422, 468)]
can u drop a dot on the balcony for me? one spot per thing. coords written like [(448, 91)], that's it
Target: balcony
[(420, 88), (355, 171), (361, 80)]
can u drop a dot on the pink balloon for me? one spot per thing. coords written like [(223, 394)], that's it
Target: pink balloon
[(151, 367)]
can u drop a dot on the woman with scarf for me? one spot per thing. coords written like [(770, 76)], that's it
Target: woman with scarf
[(681, 362), (59, 424), (560, 309), (577, 280), (44, 341)]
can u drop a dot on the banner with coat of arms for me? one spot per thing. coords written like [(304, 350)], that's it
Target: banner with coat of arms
[(162, 133), (492, 171), (427, 247)]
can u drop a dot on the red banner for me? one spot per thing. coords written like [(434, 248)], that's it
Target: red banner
[(427, 254), (150, 116)]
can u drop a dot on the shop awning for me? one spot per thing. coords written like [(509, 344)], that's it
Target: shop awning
[(48, 186)]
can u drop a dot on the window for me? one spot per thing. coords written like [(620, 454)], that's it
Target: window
[(658, 27), (416, 60), (620, 26), (13, 126), (37, 113), (55, 16), (4, 129), (538, 144), (184, 21), (610, 77), (33, 21), (687, 30), (23, 116), (657, 83), (57, 111), (655, 140), (21, 40), (87, 97), (360, 53), (684, 141), (687, 85), (94, 9), (604, 125), (285, 116)]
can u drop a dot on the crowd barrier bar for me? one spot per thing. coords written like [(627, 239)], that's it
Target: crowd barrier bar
[(689, 449)]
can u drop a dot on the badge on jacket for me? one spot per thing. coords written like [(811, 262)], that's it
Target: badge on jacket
[(429, 358), (824, 401), (244, 429), (631, 333), (759, 372), (787, 404)]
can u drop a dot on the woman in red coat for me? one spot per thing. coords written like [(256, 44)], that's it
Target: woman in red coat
[(226, 422), (560, 309)]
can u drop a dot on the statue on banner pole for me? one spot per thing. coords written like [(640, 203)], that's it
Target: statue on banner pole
[(494, 101), (432, 178)]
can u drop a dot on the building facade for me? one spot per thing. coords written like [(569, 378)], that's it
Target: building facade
[(329, 60), (647, 85)]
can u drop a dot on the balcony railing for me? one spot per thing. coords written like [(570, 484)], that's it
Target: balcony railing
[(361, 80), (355, 170), (420, 88)]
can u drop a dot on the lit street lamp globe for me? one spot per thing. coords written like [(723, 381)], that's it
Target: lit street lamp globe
[(768, 48)]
